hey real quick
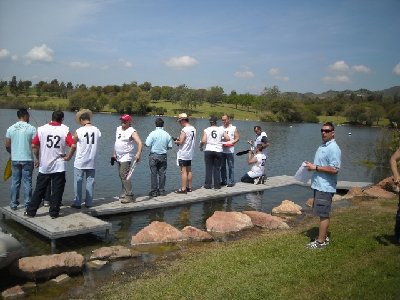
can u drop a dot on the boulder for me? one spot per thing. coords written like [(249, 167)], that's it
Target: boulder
[(387, 184), (157, 233), (310, 202), (287, 207), (225, 222), (61, 278), (377, 192), (265, 220), (13, 292), (112, 253), (96, 264), (194, 234), (353, 193), (50, 266)]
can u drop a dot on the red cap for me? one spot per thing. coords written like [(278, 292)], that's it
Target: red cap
[(126, 118)]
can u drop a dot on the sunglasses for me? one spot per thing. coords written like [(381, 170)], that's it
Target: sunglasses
[(326, 130)]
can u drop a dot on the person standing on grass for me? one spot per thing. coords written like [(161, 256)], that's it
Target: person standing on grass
[(186, 142), (396, 178), (125, 138), (49, 147), (159, 142), (87, 139), (18, 143), (326, 166), (228, 150)]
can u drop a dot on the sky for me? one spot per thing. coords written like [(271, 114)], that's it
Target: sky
[(241, 45)]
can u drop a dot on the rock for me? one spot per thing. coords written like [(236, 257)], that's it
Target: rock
[(61, 278), (265, 220), (96, 264), (337, 197), (387, 184), (287, 207), (310, 202), (378, 192), (194, 234), (14, 292), (354, 192), (157, 233), (225, 222), (49, 266), (112, 253)]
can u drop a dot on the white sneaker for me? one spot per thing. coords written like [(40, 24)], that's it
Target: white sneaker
[(316, 245)]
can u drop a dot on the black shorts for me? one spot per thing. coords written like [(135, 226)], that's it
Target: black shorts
[(184, 163), (322, 203)]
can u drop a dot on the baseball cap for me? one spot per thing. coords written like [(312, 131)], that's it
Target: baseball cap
[(126, 118)]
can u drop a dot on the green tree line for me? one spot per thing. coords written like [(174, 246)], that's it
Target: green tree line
[(364, 107)]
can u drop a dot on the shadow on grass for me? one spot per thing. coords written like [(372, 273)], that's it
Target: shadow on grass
[(386, 240), (311, 233)]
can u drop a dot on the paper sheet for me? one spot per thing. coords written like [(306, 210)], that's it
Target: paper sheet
[(303, 174)]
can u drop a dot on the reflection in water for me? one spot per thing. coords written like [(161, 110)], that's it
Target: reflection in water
[(255, 200)]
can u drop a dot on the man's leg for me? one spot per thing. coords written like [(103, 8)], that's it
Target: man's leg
[(323, 229), (231, 166), (208, 159), (42, 181), (189, 176), (27, 170), (223, 168), (126, 184), (90, 175), (78, 179), (153, 172), (162, 170), (184, 176), (16, 168), (58, 185), (217, 169)]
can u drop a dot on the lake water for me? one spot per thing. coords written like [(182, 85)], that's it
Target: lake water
[(290, 144)]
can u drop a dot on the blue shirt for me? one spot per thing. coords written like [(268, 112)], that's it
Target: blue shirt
[(21, 135), (328, 154), (159, 141)]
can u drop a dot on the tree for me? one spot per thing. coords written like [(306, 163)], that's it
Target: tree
[(145, 86), (215, 95), (156, 92), (13, 86)]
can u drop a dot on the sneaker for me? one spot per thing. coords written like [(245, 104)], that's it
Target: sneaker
[(327, 240), (76, 206), (46, 203), (316, 245), (230, 184), (207, 187), (14, 208), (257, 180), (27, 215), (162, 193), (180, 191), (153, 194)]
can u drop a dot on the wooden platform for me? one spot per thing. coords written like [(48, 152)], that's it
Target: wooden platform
[(69, 223), (73, 221)]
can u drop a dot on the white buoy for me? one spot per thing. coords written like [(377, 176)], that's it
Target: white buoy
[(349, 133)]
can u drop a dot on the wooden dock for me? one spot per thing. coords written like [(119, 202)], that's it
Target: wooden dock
[(74, 222)]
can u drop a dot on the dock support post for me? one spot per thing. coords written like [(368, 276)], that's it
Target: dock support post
[(53, 246)]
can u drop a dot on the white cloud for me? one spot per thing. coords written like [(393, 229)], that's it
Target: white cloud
[(79, 65), (273, 71), (126, 63), (14, 57), (4, 53), (336, 79), (282, 78), (40, 54), (181, 62), (361, 69), (339, 66), (244, 74), (396, 69)]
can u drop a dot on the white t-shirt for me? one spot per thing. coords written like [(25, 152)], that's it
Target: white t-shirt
[(258, 141), (258, 168), (230, 131), (86, 147), (52, 147), (124, 144), (215, 136), (186, 150)]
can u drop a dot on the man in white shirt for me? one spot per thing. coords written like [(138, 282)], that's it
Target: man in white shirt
[(125, 137), (227, 153), (261, 138), (186, 142), (49, 147), (257, 160), (86, 138)]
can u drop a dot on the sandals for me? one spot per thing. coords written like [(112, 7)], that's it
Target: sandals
[(180, 191), (188, 189)]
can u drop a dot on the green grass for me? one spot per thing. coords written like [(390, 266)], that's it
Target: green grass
[(360, 263)]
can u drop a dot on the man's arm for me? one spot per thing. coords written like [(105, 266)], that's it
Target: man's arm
[(181, 139), (8, 145), (236, 137), (393, 165), (138, 141)]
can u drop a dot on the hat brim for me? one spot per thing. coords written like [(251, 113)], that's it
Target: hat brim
[(79, 114)]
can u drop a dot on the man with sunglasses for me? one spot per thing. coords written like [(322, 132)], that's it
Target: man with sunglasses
[(326, 166)]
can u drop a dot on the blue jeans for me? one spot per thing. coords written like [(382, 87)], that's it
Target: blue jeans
[(78, 180), (158, 168), (213, 168), (21, 170), (227, 158)]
